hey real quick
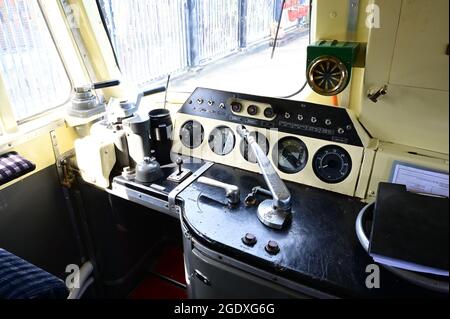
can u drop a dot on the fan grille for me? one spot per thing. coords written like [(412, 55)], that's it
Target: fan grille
[(327, 75)]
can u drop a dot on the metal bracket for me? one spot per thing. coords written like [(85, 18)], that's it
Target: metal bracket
[(352, 23), (57, 155), (173, 194), (178, 177)]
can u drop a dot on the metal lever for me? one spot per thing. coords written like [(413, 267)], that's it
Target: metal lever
[(277, 211), (232, 192)]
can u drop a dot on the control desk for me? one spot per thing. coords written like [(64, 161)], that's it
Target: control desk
[(268, 194)]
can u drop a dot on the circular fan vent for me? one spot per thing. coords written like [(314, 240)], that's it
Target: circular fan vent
[(327, 75)]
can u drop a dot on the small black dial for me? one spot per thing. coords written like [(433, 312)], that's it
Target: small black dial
[(269, 113), (332, 164), (192, 134), (221, 140), (252, 110), (236, 107), (290, 155), (247, 152)]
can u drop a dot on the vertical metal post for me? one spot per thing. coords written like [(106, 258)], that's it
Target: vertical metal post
[(242, 23), (352, 24), (191, 33)]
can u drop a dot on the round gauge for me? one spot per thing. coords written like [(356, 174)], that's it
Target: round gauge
[(222, 140), (192, 134), (247, 152), (290, 155), (332, 164)]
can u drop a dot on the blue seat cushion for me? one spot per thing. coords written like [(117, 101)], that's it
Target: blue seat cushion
[(12, 166), (21, 280)]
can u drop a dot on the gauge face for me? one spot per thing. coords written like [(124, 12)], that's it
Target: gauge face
[(332, 164), (290, 155), (192, 134), (222, 140), (247, 152)]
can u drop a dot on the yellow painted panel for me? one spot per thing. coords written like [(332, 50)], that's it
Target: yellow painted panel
[(420, 57), (407, 115), (410, 116), (66, 137)]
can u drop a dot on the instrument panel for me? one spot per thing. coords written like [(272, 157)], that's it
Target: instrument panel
[(326, 153)]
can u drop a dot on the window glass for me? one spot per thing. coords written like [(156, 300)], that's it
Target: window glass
[(223, 44), (32, 70)]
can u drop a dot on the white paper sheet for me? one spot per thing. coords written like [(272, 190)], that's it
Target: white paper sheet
[(421, 180)]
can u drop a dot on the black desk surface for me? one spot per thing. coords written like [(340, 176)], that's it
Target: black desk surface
[(319, 248)]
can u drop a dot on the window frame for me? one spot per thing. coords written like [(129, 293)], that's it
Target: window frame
[(48, 109), (74, 68)]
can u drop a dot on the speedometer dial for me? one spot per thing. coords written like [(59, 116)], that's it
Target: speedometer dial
[(332, 164), (221, 140), (290, 155)]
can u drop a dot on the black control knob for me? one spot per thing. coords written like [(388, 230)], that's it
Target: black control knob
[(268, 112), (180, 162), (236, 107), (252, 110), (249, 239), (272, 247)]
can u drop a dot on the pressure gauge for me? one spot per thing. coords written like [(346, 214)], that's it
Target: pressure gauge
[(290, 155), (221, 140), (192, 134)]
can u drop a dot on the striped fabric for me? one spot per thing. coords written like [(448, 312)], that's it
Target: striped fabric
[(13, 166), (22, 280)]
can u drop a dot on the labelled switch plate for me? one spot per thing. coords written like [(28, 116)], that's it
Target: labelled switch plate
[(178, 177)]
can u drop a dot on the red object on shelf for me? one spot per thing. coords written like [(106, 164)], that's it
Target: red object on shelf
[(303, 11), (290, 3), (292, 14)]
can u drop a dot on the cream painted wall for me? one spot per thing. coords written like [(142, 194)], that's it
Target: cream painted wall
[(408, 54)]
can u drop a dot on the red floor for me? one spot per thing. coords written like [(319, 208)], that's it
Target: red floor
[(171, 265)]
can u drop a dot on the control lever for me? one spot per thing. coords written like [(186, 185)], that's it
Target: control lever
[(181, 173), (275, 212), (85, 103), (122, 109), (232, 192)]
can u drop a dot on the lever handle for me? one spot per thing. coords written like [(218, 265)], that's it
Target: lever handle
[(280, 193), (232, 192), (105, 84), (154, 91)]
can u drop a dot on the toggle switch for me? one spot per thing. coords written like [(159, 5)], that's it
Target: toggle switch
[(181, 173)]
